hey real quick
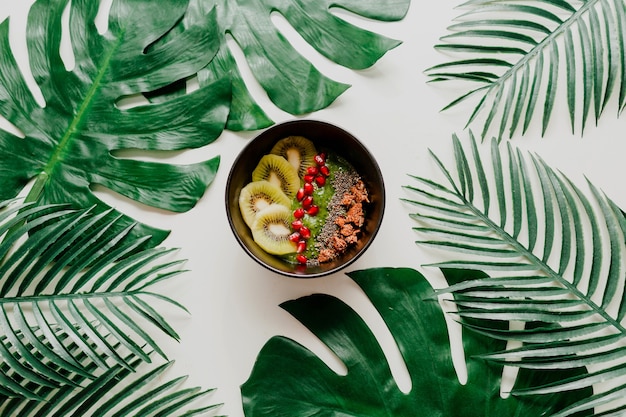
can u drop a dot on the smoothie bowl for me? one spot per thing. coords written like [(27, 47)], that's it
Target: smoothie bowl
[(305, 198)]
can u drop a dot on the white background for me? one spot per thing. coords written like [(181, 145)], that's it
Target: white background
[(233, 301)]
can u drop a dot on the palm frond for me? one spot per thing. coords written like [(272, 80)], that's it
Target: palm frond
[(65, 281), (117, 391), (556, 254), (518, 56)]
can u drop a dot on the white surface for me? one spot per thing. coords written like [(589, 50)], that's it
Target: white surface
[(390, 107)]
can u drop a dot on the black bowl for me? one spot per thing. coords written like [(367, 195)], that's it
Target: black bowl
[(324, 136)]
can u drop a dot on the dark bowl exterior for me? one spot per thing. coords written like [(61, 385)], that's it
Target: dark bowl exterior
[(324, 136)]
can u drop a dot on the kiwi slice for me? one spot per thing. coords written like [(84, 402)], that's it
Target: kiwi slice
[(298, 150), (257, 195), (271, 230), (278, 171)]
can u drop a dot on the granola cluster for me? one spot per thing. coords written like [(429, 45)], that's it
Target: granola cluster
[(346, 217)]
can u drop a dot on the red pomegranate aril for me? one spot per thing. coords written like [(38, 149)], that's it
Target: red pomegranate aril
[(301, 246), (298, 213), (305, 232), (301, 259), (313, 210), (312, 170), (324, 170), (307, 202), (320, 180), (295, 237), (300, 194), (319, 159), (296, 224), (308, 188), (308, 178)]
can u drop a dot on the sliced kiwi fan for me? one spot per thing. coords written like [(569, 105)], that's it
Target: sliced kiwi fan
[(265, 203)]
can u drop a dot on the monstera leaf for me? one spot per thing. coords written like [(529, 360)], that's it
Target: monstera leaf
[(97, 297), (289, 380), (290, 80), (556, 255), (514, 55), (118, 391), (72, 143)]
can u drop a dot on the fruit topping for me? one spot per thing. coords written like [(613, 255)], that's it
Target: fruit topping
[(276, 170), (298, 213), (305, 232), (256, 196), (298, 151), (313, 210), (296, 224), (271, 230)]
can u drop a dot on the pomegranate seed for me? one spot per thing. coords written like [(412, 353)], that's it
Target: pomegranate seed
[(324, 170), (312, 170), (294, 237), (320, 180), (313, 210), (301, 259), (319, 159), (296, 224), (298, 213), (305, 232), (308, 178), (300, 194), (307, 202), (308, 188), (301, 246)]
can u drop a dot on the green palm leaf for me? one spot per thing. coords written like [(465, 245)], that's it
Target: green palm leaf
[(515, 54), (75, 142), (65, 280), (118, 391), (556, 254), (291, 82)]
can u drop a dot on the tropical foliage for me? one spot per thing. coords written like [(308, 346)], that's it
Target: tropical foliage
[(72, 143), (293, 83), (119, 391), (289, 380), (76, 304), (521, 57), (556, 254)]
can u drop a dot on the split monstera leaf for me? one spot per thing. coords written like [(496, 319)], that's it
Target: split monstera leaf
[(291, 82), (73, 142), (289, 380)]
